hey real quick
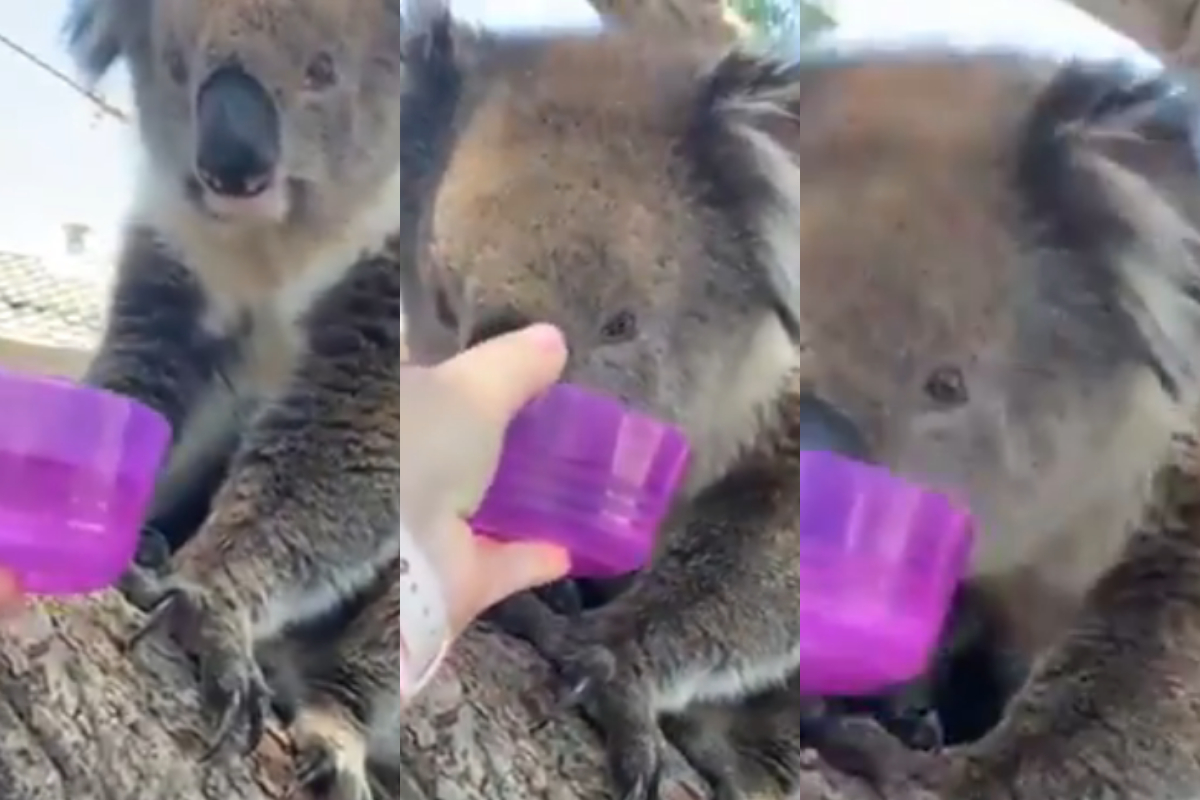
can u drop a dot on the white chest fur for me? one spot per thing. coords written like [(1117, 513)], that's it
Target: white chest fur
[(274, 274)]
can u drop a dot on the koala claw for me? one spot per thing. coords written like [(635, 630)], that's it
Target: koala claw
[(153, 551), (230, 676), (141, 587), (330, 757), (637, 770), (635, 743), (862, 747), (320, 774), (584, 670), (924, 732), (141, 584), (575, 693), (241, 692), (149, 596)]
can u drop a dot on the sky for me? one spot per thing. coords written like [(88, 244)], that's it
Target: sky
[(61, 163)]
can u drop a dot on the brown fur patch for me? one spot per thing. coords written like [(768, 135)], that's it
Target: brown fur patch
[(624, 175)]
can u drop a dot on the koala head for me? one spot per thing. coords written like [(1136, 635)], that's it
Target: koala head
[(585, 186), (256, 111), (983, 263)]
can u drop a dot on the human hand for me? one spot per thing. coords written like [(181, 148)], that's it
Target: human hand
[(11, 597), (453, 420)]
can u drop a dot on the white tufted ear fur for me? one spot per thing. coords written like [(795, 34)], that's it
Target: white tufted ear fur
[(756, 100), (1136, 138), (436, 38), (101, 32)]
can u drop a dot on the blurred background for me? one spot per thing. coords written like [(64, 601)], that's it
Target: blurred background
[(66, 157)]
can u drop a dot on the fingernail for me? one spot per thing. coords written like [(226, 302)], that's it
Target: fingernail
[(546, 337)]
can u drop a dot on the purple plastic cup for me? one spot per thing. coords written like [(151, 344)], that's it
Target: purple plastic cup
[(583, 471), (880, 561), (77, 472)]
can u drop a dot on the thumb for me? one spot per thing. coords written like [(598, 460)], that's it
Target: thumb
[(501, 375), (513, 567)]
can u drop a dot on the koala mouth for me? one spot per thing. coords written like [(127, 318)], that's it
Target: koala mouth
[(823, 427), (272, 204)]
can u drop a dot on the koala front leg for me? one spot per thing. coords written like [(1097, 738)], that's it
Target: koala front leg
[(538, 616), (714, 618), (333, 762), (1112, 711), (155, 350), (344, 690), (762, 745), (309, 514), (154, 347), (331, 752)]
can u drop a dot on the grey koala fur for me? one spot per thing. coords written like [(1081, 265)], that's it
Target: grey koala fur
[(257, 307), (1109, 711), (986, 262), (206, 286)]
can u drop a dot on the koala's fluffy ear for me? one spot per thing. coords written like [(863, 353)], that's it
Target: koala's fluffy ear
[(435, 38), (1114, 156), (750, 119), (101, 32)]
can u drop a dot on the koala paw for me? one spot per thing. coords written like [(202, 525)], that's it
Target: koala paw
[(862, 747), (330, 756), (615, 701), (921, 730), (215, 634), (583, 668), (153, 551), (618, 706), (142, 587), (142, 584), (561, 597), (635, 756), (710, 752)]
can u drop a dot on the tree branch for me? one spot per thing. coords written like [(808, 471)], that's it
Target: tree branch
[(81, 720)]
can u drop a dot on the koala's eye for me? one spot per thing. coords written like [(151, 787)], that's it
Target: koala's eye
[(620, 327), (176, 66), (946, 386), (321, 73)]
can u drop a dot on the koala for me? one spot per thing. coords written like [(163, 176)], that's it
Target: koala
[(268, 144), (257, 308), (985, 263)]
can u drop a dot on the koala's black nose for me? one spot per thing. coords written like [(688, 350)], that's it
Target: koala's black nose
[(237, 133), (497, 324)]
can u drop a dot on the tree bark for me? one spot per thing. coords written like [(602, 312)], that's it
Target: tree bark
[(82, 720), (485, 729)]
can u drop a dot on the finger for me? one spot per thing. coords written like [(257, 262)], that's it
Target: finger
[(11, 599), (509, 568), (503, 374)]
